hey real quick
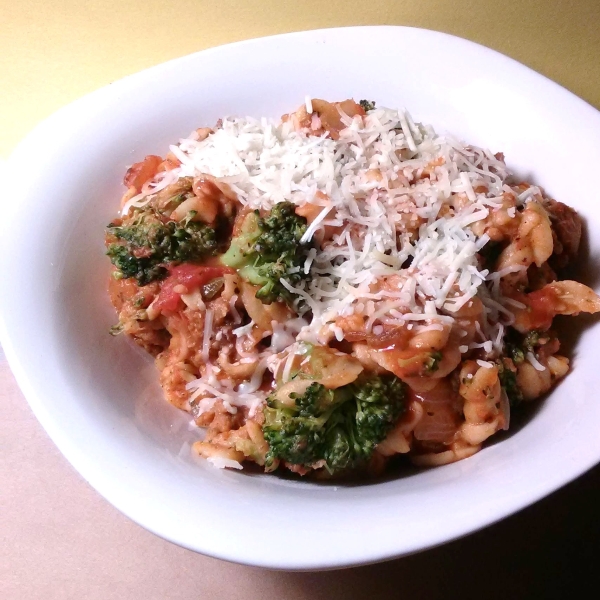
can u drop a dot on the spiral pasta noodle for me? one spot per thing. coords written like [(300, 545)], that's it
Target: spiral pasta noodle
[(342, 286)]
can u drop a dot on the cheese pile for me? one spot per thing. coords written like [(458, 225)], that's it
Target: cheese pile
[(394, 199)]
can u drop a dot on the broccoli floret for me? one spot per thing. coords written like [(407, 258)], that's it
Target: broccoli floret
[(268, 249), (315, 401), (295, 434), (517, 346), (531, 340), (432, 364), (367, 105), (508, 381), (340, 427), (148, 242), (516, 354), (144, 269)]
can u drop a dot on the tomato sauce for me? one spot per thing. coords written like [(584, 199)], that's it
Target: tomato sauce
[(191, 277)]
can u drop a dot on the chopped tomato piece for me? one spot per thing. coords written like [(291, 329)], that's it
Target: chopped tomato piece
[(542, 304), (168, 165), (189, 276), (140, 172)]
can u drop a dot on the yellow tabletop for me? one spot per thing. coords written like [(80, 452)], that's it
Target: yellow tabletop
[(61, 540)]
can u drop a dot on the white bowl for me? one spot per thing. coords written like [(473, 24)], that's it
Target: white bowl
[(98, 396)]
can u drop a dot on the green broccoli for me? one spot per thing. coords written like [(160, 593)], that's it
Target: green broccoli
[(144, 269), (516, 354), (516, 348), (432, 364), (147, 242), (508, 381), (268, 249), (340, 427), (367, 105)]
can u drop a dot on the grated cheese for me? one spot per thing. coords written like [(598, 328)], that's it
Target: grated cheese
[(208, 330), (220, 462), (537, 365), (485, 364), (400, 251)]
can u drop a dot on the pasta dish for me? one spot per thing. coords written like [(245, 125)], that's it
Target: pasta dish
[(341, 286)]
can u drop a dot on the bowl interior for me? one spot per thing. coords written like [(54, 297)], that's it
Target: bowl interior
[(98, 396)]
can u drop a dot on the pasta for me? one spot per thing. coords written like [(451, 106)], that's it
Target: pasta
[(342, 286)]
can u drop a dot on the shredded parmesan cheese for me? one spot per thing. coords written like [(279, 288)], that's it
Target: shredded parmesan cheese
[(537, 365), (395, 210)]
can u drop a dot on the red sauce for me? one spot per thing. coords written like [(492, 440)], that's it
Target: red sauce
[(140, 172), (191, 277)]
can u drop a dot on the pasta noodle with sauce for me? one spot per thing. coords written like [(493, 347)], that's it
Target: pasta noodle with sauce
[(330, 290)]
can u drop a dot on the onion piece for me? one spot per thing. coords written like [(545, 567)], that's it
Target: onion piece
[(505, 408)]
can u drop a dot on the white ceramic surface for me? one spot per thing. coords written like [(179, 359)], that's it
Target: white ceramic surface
[(98, 397)]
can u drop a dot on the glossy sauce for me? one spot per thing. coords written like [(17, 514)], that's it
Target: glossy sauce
[(441, 413)]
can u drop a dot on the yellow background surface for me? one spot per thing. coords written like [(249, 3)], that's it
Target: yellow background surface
[(53, 51)]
